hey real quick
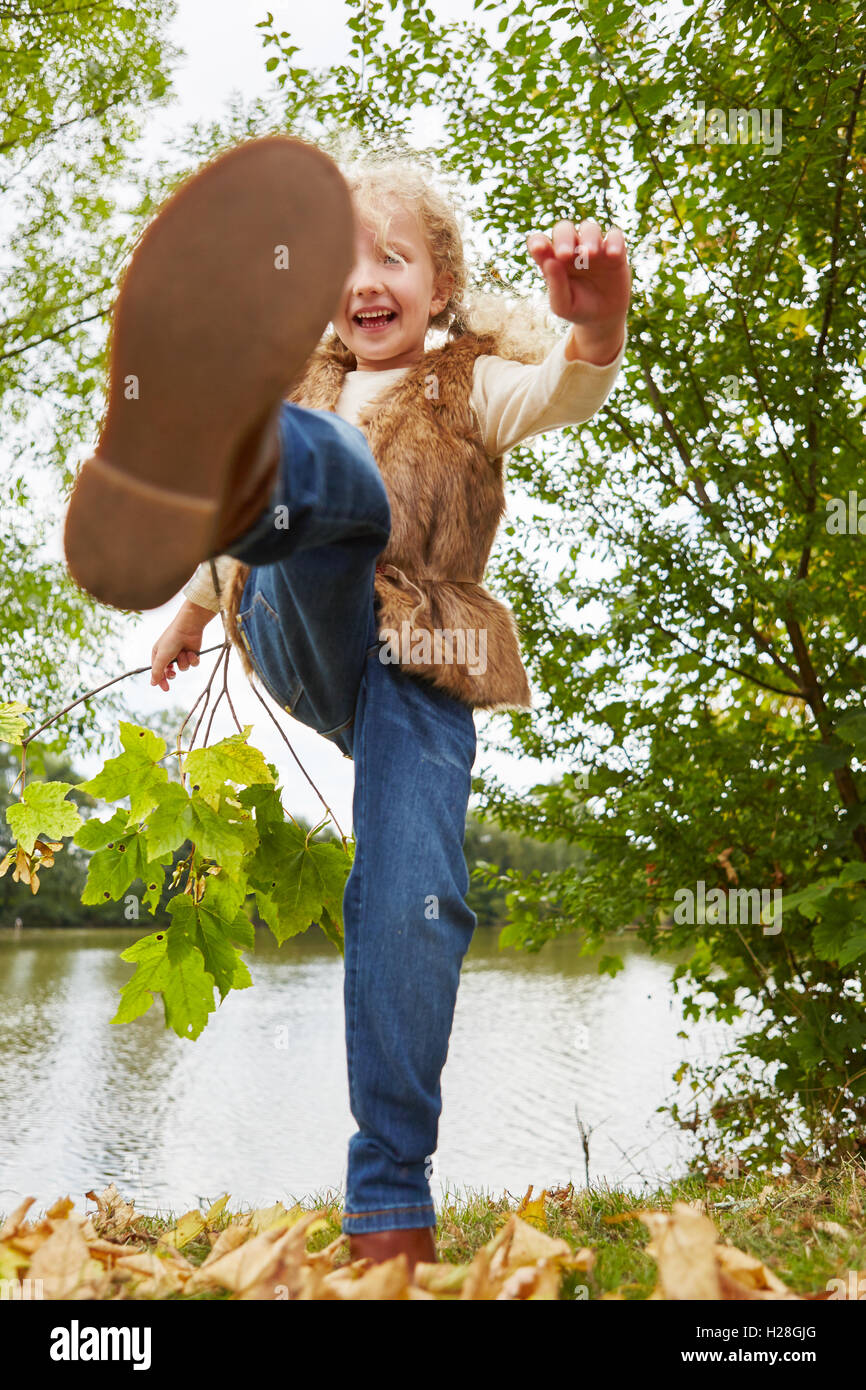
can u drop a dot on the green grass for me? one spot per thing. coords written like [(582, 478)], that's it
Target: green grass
[(778, 1228)]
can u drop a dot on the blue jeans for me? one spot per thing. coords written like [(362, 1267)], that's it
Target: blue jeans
[(309, 616)]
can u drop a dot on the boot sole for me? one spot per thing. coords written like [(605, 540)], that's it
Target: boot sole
[(210, 328)]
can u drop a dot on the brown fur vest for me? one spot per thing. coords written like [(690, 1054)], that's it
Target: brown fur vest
[(447, 499)]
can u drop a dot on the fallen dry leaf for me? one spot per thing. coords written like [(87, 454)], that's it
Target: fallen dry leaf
[(744, 1276), (538, 1281), (64, 1264), (682, 1245), (388, 1280), (234, 1235), (152, 1276), (114, 1217), (254, 1268), (15, 1219), (693, 1265), (517, 1244)]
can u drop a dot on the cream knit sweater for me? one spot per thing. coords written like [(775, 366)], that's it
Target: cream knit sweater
[(512, 402)]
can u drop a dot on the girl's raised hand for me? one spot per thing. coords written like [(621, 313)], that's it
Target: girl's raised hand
[(588, 276)]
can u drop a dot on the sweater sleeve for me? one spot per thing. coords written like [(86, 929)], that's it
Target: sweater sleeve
[(514, 401), (200, 588)]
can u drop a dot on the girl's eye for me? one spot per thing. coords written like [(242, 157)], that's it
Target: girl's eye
[(392, 256)]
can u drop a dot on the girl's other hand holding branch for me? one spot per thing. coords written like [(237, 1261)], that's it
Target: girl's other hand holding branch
[(180, 642)]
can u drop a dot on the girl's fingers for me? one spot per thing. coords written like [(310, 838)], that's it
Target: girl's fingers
[(590, 237), (559, 293), (564, 240), (161, 673), (614, 242), (539, 247), (570, 244)]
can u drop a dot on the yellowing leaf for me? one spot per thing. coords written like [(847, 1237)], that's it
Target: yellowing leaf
[(187, 1228), (215, 1212), (276, 1217), (13, 720), (43, 808), (533, 1212), (11, 1260)]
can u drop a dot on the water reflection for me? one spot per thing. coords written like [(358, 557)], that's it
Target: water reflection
[(258, 1105)]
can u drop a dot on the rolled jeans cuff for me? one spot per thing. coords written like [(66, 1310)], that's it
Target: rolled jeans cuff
[(389, 1219)]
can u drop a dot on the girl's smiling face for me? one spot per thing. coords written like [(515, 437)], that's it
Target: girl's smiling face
[(390, 295)]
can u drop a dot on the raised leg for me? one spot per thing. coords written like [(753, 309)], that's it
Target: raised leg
[(228, 292), (307, 607)]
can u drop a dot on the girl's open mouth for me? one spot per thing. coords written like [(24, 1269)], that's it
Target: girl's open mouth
[(376, 321)]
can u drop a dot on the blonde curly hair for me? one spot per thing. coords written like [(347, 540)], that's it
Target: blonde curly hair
[(380, 186)]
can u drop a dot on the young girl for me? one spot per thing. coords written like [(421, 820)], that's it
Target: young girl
[(344, 492)]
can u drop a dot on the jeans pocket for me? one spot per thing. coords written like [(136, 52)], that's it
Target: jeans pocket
[(262, 635)]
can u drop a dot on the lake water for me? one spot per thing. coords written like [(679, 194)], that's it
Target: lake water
[(258, 1105)]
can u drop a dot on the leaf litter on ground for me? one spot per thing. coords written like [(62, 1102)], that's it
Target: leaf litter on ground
[(113, 1253)]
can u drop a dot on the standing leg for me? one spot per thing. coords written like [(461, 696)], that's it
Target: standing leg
[(407, 929)]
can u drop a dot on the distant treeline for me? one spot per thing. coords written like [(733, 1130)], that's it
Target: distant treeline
[(58, 901)]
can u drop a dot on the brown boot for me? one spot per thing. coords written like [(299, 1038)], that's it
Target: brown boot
[(227, 294), (418, 1245)]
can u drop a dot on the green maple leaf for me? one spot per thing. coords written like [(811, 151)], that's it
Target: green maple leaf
[(230, 760), (96, 834), (43, 811), (134, 773), (168, 963), (149, 955), (170, 821), (224, 833), (266, 802), (295, 881), (12, 720), (188, 994), (214, 925), (334, 889), (111, 870), (218, 838), (334, 932)]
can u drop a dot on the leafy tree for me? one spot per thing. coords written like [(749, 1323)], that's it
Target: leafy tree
[(76, 80), (79, 81), (500, 860)]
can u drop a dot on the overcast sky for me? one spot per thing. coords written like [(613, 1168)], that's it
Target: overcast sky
[(224, 55)]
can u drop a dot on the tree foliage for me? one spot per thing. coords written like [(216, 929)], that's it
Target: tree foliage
[(77, 79)]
